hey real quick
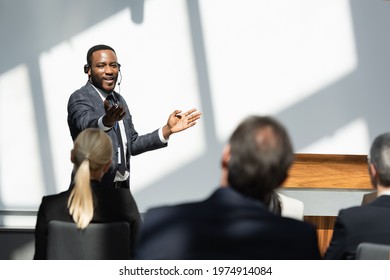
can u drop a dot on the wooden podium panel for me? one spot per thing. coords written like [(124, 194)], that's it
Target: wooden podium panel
[(324, 226), (327, 171)]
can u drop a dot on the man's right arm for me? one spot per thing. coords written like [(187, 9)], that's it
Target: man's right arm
[(82, 113)]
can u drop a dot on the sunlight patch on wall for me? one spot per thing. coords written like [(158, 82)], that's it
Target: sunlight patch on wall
[(21, 177), (265, 56), (18, 221), (354, 138)]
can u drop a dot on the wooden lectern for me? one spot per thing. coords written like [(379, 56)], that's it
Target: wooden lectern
[(326, 171)]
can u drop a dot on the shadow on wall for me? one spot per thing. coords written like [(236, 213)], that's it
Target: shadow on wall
[(312, 119), (362, 94)]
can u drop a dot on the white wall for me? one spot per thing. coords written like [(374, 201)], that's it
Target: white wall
[(321, 67)]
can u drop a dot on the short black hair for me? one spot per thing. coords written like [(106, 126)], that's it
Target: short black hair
[(97, 48)]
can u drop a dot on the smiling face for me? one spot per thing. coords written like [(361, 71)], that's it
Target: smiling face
[(104, 70)]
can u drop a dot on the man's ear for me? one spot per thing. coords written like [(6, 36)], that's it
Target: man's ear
[(72, 156), (372, 171), (225, 156), (373, 175)]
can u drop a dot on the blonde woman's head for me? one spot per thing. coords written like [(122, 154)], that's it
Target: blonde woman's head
[(93, 147), (92, 157)]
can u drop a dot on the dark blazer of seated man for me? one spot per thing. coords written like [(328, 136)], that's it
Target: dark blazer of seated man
[(370, 222), (235, 222)]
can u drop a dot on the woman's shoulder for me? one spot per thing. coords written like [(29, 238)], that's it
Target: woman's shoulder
[(55, 198)]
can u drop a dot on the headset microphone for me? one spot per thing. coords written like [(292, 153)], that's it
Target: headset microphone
[(120, 78)]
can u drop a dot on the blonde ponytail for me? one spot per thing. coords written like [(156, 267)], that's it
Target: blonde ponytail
[(92, 150)]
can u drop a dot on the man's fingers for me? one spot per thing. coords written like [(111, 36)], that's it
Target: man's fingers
[(189, 112), (114, 112)]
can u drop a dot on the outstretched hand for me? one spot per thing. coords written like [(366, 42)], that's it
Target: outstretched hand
[(113, 114), (178, 121)]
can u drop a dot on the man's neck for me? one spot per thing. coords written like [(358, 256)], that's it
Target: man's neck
[(101, 92), (383, 190)]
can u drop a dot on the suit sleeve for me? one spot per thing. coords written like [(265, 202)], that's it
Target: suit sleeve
[(83, 111), (337, 247)]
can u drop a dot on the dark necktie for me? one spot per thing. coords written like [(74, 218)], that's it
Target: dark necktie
[(121, 160)]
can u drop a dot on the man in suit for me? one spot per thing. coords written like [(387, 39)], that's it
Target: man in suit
[(235, 221), (370, 222), (97, 105)]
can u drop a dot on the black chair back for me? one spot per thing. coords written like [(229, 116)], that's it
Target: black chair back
[(104, 241), (372, 251)]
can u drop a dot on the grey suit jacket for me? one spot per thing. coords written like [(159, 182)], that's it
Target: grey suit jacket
[(368, 223), (85, 107)]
